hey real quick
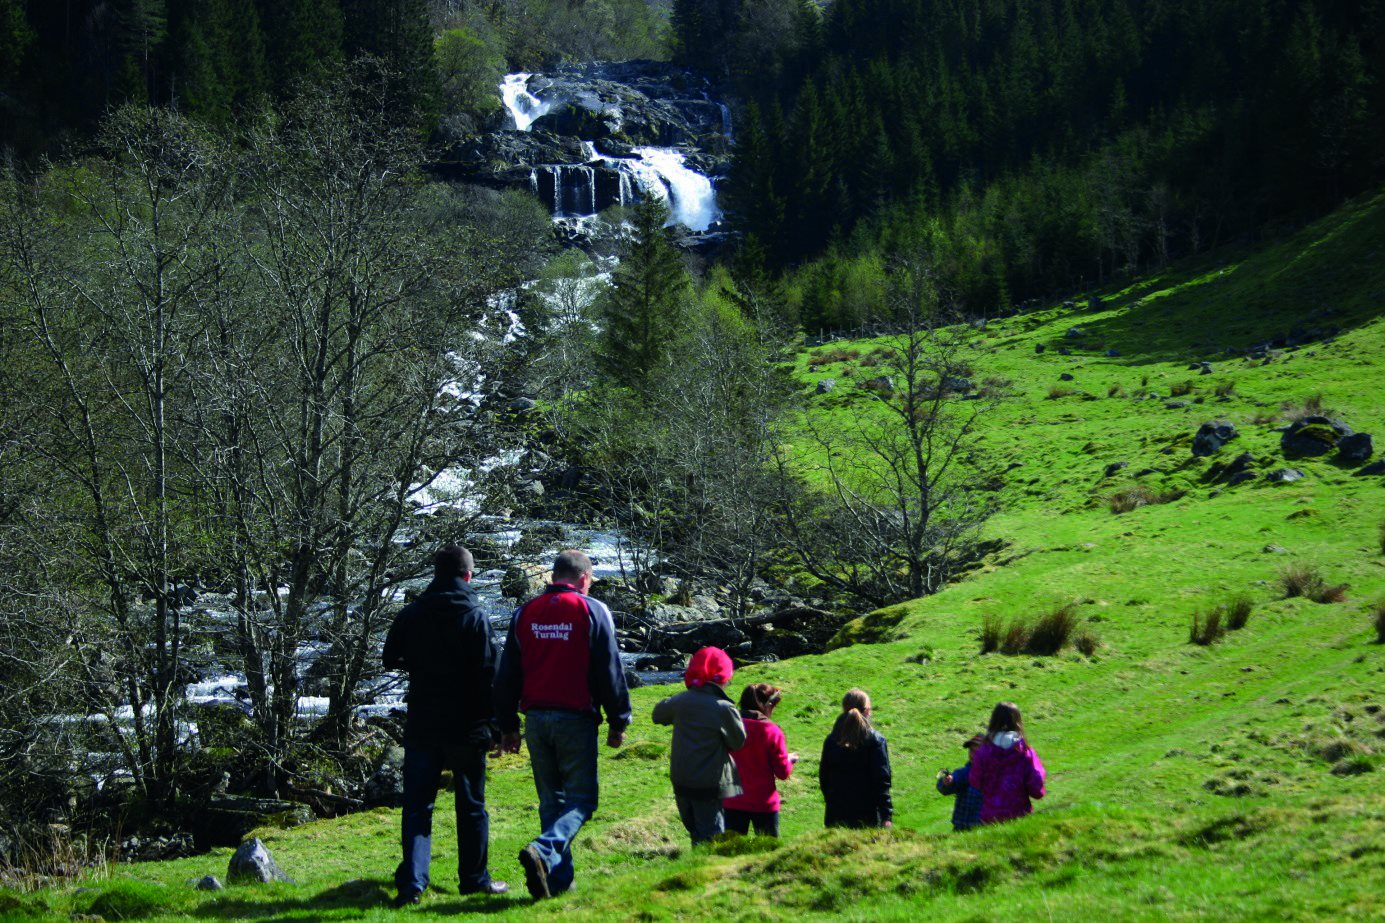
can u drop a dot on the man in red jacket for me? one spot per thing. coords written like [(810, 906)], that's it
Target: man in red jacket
[(561, 668)]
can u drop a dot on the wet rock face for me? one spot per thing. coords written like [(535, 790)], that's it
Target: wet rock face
[(588, 137)]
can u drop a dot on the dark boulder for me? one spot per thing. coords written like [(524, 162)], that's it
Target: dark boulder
[(385, 787), (1066, 377), (1116, 466), (1039, 348), (1355, 449), (1312, 436), (1284, 476), (825, 386), (1211, 437), (1240, 477), (1372, 468)]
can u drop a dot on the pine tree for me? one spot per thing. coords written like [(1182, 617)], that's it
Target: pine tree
[(644, 310), (301, 38)]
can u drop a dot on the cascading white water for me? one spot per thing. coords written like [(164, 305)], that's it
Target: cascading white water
[(660, 172), (663, 172), (524, 107)]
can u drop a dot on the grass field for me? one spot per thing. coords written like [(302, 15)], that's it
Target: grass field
[(1240, 780)]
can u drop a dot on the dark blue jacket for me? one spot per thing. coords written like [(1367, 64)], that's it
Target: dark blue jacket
[(855, 783), (966, 811), (443, 641)]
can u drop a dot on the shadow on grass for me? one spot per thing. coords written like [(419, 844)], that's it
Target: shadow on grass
[(360, 894), (1323, 278)]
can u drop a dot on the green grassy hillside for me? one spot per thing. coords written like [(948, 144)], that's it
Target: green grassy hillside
[(1241, 780)]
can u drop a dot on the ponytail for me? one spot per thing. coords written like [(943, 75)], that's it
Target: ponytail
[(853, 728)]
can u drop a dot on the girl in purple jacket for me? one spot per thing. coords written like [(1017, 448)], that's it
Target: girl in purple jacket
[(1005, 769)]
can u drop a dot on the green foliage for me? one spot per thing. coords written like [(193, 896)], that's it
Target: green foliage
[(1039, 148), (470, 67)]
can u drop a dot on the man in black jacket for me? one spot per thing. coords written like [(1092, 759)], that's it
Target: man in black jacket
[(443, 641)]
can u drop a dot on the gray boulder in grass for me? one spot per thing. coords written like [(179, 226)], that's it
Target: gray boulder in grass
[(1211, 437), (252, 864)]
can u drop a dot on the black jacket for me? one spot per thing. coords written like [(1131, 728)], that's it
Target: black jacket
[(856, 783), (443, 641)]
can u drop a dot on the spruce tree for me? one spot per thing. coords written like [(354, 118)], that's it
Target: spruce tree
[(644, 311)]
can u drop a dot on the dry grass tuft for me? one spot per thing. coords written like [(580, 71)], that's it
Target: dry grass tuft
[(830, 356), (1058, 391), (1225, 389), (1115, 391), (1238, 610), (1182, 389), (1305, 580), (1138, 495), (1206, 629)]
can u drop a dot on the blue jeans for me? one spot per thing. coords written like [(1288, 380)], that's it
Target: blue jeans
[(423, 768), (562, 750)]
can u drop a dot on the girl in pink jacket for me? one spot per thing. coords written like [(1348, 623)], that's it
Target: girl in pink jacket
[(764, 758), (1005, 769)]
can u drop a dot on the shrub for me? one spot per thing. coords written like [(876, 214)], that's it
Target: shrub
[(1331, 593), (1265, 417), (1299, 580), (1115, 391), (1016, 638), (990, 634), (1378, 617), (1238, 611), (829, 356), (1225, 389), (1144, 381), (1138, 495), (1305, 580), (1058, 391), (1182, 389), (1207, 629), (1087, 642), (1053, 630)]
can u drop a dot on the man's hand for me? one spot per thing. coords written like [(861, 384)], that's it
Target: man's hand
[(509, 743), (793, 758), (615, 738)]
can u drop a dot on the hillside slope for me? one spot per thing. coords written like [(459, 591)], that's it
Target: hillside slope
[(1240, 780)]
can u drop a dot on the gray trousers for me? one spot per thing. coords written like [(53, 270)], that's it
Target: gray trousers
[(701, 813)]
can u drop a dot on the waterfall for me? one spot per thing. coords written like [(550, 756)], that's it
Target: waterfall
[(524, 107), (663, 172), (558, 191)]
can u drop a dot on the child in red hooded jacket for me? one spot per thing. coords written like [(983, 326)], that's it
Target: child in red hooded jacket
[(764, 758)]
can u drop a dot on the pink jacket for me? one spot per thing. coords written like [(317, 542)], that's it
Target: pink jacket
[(1006, 778), (764, 758)]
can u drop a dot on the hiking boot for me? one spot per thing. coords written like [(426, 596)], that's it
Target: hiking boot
[(535, 872), (408, 898)]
